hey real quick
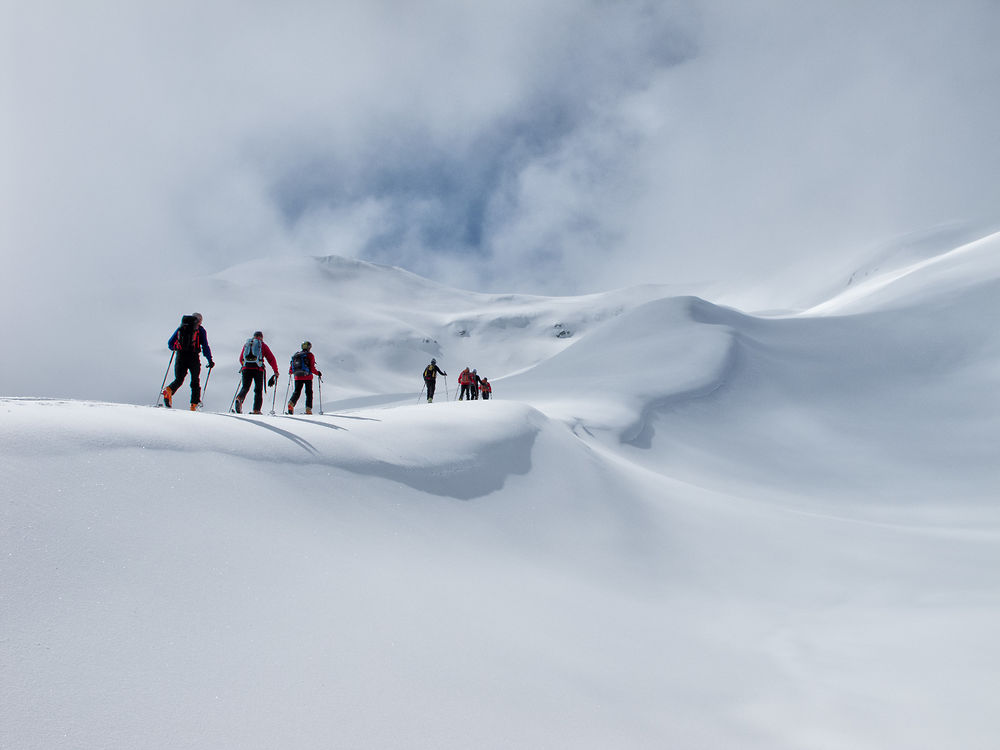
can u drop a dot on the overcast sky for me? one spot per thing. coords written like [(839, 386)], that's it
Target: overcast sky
[(531, 145)]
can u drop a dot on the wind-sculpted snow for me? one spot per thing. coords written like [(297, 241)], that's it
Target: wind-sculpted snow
[(896, 404), (612, 378), (679, 525), (926, 280), (430, 450)]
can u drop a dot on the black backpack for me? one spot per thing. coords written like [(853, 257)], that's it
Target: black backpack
[(187, 334), (300, 363)]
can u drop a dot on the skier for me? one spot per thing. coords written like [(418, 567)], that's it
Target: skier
[(303, 367), (474, 380), (252, 358), (485, 388), (186, 342), (430, 378), (464, 379)]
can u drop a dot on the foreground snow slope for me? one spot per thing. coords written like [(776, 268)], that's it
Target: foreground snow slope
[(433, 577), (681, 526)]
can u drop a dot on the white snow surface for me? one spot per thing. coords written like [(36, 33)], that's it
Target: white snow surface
[(678, 524)]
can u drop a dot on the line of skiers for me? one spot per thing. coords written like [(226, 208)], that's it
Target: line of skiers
[(471, 385), (190, 340)]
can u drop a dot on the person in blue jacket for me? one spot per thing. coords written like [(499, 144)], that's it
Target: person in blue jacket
[(187, 342)]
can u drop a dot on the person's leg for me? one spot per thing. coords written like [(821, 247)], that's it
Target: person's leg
[(431, 385), (181, 365), (295, 395), (195, 370), (309, 393), (258, 389), (247, 381)]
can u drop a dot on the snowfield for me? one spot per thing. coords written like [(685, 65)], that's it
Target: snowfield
[(678, 524)]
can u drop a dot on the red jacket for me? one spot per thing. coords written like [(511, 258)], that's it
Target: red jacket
[(485, 387), (464, 377), (312, 369), (266, 351)]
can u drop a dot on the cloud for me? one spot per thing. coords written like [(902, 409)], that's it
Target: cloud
[(549, 146)]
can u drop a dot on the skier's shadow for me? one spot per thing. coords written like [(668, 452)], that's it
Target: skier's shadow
[(315, 422), (302, 443)]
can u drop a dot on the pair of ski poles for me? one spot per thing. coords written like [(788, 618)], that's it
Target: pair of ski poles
[(274, 392), (424, 389), (288, 388), (163, 385)]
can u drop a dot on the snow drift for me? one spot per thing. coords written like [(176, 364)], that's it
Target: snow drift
[(679, 524)]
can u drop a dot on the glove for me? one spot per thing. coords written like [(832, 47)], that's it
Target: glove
[(273, 379), (211, 364), (319, 373)]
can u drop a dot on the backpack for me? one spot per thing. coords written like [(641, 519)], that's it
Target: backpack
[(187, 334), (252, 353), (430, 372), (300, 363)]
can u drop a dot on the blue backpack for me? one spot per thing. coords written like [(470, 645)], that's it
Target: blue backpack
[(252, 356), (300, 363)]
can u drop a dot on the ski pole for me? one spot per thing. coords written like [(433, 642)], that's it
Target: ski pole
[(201, 401), (421, 393), (447, 395), (274, 393), (284, 407), (164, 383), (321, 394), (232, 404)]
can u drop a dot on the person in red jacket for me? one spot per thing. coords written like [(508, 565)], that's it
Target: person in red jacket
[(485, 388), (255, 353), (464, 381), (303, 367)]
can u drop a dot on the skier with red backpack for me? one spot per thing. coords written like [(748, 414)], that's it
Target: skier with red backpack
[(252, 363), (187, 343), (303, 367), (464, 381)]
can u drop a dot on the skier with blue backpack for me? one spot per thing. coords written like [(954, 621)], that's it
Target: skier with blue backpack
[(302, 367), (253, 357)]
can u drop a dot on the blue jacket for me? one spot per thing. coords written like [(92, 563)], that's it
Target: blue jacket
[(202, 339)]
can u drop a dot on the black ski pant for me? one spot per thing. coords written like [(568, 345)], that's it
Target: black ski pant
[(298, 390), (431, 384), (184, 363), (464, 392), (255, 377)]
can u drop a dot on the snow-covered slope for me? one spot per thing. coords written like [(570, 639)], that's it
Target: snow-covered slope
[(677, 525)]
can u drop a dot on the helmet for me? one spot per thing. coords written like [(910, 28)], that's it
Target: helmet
[(474, 370), (258, 333), (433, 361), (198, 316), (307, 345)]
